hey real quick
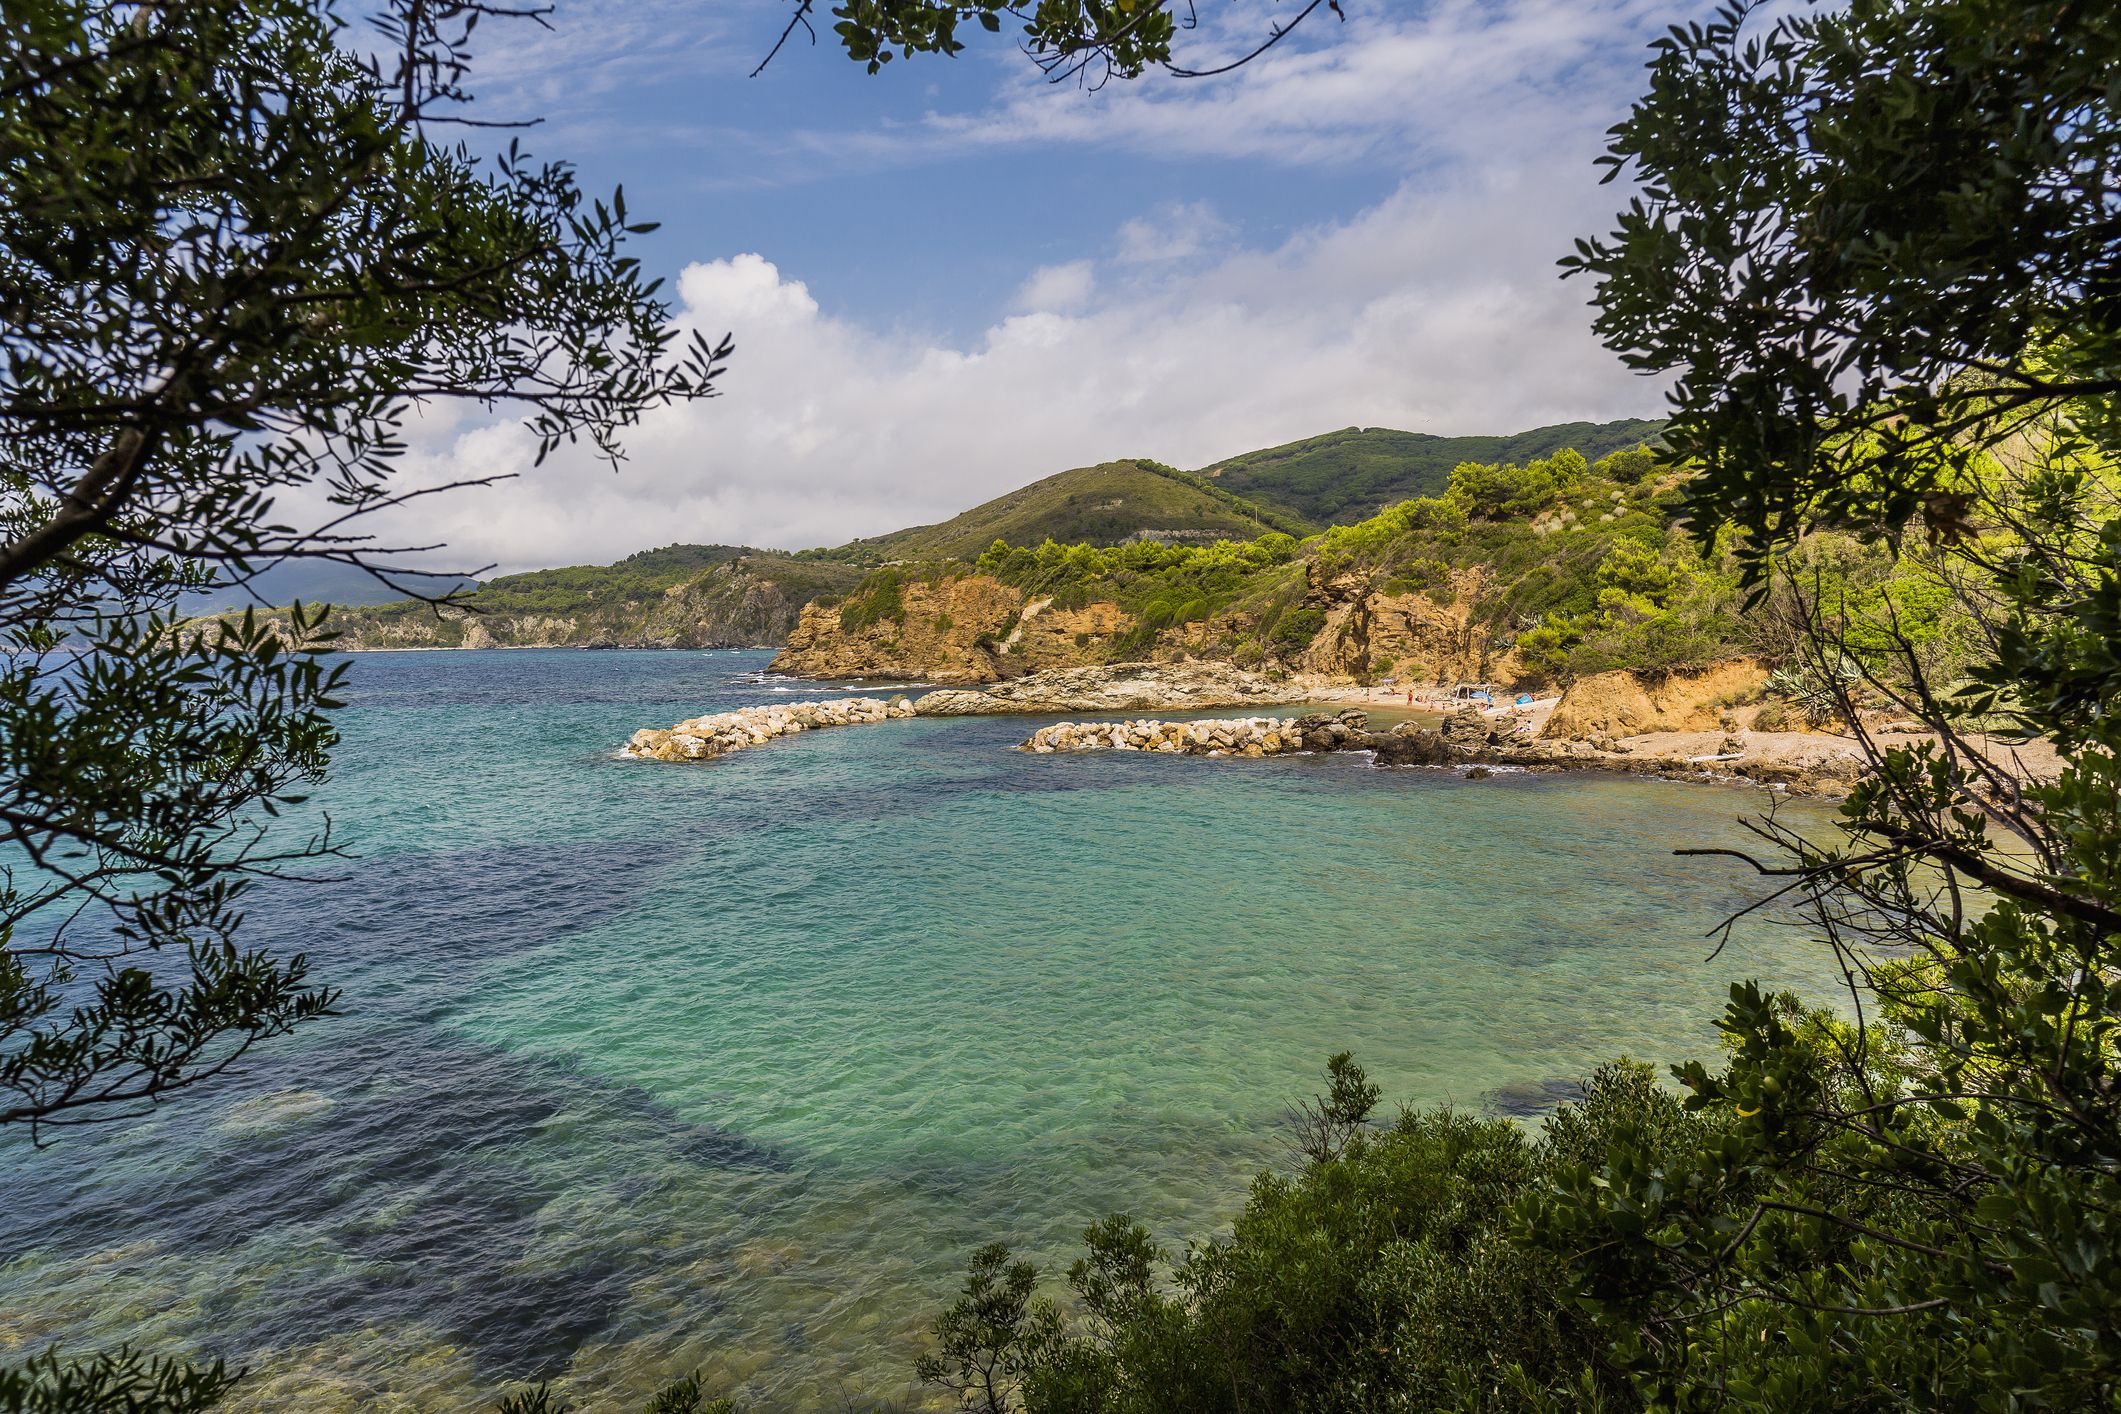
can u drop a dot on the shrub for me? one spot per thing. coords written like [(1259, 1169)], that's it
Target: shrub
[(881, 596), (1296, 628), (1387, 1273)]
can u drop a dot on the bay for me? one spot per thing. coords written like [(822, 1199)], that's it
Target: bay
[(647, 1068)]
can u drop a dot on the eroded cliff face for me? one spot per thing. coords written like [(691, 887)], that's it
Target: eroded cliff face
[(1421, 640), (731, 606), (967, 629), (1623, 704), (974, 629)]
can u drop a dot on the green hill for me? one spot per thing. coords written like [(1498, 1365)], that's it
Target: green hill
[(709, 595), (1100, 505), (575, 587), (1346, 475)]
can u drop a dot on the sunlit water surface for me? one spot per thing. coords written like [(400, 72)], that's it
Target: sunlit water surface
[(649, 1068)]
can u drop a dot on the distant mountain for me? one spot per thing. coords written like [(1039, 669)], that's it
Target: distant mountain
[(1103, 505), (681, 596), (1347, 475), (312, 582)]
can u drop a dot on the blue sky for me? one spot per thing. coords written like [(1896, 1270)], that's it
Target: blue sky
[(951, 278), (858, 184)]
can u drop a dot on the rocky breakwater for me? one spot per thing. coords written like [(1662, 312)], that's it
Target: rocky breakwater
[(1235, 736), (1114, 687), (704, 738), (1347, 730)]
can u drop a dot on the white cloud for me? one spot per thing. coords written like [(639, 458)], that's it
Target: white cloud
[(1057, 289), (1433, 311), (1176, 231), (1412, 85), (1436, 309)]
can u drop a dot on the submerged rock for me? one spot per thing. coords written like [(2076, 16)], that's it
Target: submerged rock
[(1523, 1099)]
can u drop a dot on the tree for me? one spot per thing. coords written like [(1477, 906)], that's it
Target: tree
[(1092, 40), (1868, 240), (237, 254), (1880, 246), (1381, 1274)]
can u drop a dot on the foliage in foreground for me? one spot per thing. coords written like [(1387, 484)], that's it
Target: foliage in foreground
[(235, 254), (1878, 244), (1385, 1274)]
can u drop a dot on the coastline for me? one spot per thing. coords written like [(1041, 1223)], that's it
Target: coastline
[(549, 648), (1321, 716)]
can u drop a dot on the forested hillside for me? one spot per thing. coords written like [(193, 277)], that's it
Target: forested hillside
[(681, 596), (1502, 548), (1356, 472), (1532, 574), (1103, 505)]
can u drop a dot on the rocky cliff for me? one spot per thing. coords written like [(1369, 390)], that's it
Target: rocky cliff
[(749, 601), (1624, 704), (972, 628), (1369, 632), (962, 629)]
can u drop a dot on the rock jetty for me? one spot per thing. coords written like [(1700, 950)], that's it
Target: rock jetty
[(1245, 736), (1115, 687), (1468, 739), (1347, 730), (704, 738)]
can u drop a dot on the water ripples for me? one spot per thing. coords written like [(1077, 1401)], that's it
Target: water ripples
[(652, 1069)]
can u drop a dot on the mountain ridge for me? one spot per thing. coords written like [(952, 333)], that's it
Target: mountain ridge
[(1347, 475), (700, 596)]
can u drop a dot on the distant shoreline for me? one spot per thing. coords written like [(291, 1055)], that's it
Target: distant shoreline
[(551, 648)]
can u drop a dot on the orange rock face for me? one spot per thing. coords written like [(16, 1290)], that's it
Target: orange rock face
[(967, 629), (1623, 704), (1422, 640)]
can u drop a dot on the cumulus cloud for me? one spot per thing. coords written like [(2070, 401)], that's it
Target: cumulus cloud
[(1425, 313), (1057, 288), (1437, 308)]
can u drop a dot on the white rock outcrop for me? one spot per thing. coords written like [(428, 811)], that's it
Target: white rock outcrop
[(1223, 736), (704, 738)]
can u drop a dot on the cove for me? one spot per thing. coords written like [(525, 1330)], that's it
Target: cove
[(648, 1068)]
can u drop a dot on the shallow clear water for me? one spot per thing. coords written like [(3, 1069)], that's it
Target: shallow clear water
[(647, 1068)]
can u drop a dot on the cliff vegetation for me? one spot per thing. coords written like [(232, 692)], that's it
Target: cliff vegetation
[(1534, 573), (681, 596)]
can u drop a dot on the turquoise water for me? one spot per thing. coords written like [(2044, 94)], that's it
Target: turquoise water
[(647, 1068)]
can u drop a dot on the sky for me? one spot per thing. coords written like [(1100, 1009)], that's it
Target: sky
[(953, 277)]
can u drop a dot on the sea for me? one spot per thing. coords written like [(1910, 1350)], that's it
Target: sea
[(644, 1069)]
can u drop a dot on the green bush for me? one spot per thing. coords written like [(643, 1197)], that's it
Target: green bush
[(1298, 627), (879, 597), (1389, 1272)]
